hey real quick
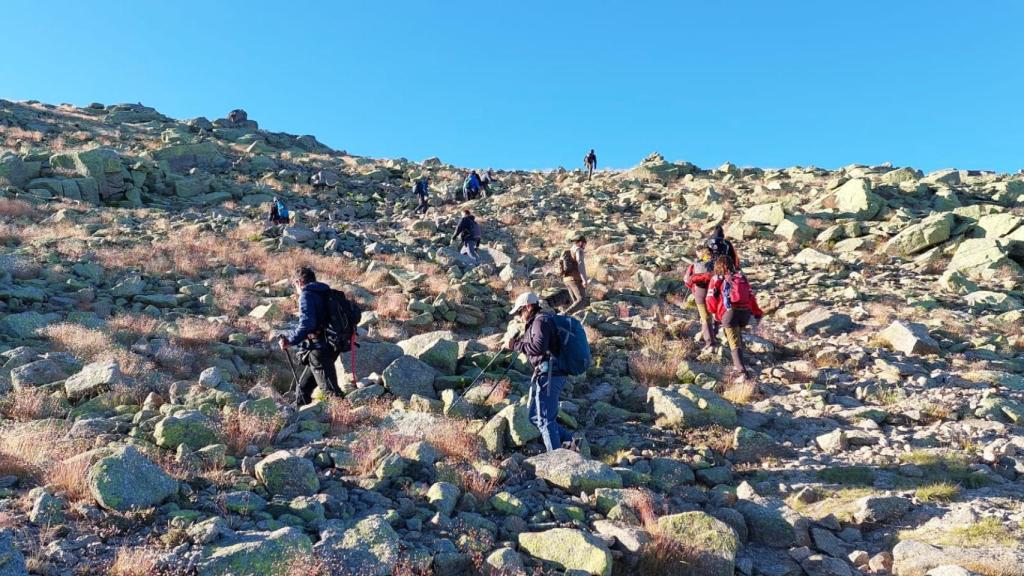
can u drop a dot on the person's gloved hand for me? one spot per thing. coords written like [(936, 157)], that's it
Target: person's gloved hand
[(513, 333)]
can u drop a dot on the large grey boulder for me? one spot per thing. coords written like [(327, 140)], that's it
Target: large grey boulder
[(127, 480), (407, 376), (439, 349), (102, 165), (909, 338), (570, 550), (371, 358), (12, 561), (287, 475), (913, 558), (189, 427), (770, 214), (572, 472), (371, 547), (983, 258), (14, 171), (93, 379), (24, 325), (36, 374), (915, 238), (876, 509), (998, 225), (854, 199), (257, 554), (712, 542), (689, 406), (820, 320)]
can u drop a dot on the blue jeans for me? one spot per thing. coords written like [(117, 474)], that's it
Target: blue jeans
[(469, 247), (543, 404)]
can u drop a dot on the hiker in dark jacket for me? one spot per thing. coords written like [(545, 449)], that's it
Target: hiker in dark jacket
[(310, 337), (469, 231), (539, 341), (278, 212), (422, 189), (719, 246), (486, 181), (590, 163)]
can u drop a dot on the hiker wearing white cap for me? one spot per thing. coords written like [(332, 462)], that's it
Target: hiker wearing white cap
[(540, 342)]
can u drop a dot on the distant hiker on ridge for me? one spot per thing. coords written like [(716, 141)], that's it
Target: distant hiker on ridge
[(278, 212), (421, 189), (471, 187), (485, 182), (590, 163), (469, 231)]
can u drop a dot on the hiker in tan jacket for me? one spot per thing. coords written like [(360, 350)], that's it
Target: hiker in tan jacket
[(573, 266)]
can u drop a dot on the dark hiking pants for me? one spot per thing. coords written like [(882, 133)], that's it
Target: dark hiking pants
[(320, 372)]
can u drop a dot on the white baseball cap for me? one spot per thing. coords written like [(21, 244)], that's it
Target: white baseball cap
[(524, 300)]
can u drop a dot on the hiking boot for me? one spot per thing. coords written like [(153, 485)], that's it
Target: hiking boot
[(573, 444)]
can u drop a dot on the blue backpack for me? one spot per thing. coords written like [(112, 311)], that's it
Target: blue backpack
[(573, 357), (282, 212)]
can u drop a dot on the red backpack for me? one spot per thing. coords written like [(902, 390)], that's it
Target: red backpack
[(739, 292)]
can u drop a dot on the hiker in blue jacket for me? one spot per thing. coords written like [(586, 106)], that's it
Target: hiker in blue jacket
[(471, 187), (310, 337), (539, 341)]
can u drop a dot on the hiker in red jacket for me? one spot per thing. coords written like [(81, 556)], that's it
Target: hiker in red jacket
[(733, 304), (696, 278)]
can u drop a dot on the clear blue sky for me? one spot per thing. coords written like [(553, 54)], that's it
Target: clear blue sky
[(536, 83)]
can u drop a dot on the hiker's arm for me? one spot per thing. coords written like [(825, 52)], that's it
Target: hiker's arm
[(307, 320), (537, 342)]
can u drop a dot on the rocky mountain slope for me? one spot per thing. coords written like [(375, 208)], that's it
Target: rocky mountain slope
[(144, 426)]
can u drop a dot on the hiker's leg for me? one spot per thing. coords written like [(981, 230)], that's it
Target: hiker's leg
[(557, 385), (733, 336), (331, 370), (533, 413), (576, 293), (305, 386), (548, 390), (699, 294), (473, 245), (322, 367)]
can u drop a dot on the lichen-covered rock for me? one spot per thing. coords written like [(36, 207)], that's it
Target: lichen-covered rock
[(287, 475), (571, 550), (93, 379), (369, 548), (909, 338), (257, 554), (12, 561), (407, 376), (689, 406), (855, 199), (437, 349), (127, 480), (713, 543), (189, 427), (572, 472)]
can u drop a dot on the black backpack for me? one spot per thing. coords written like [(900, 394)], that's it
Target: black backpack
[(567, 265), (343, 316)]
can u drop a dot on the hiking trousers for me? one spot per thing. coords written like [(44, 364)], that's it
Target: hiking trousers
[(422, 208), (545, 389), (580, 300), (469, 247), (706, 321), (733, 321), (319, 371)]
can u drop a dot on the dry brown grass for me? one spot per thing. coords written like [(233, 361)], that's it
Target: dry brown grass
[(740, 392), (12, 209), (373, 444), (127, 328), (345, 418), (83, 342), (16, 133), (193, 333), (451, 438), (93, 345), (656, 358), (241, 429), (30, 404), (134, 562), (40, 451), (69, 477), (392, 306), (481, 486)]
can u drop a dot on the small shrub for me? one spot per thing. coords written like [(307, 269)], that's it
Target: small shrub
[(848, 475), (242, 429), (938, 492), (13, 209)]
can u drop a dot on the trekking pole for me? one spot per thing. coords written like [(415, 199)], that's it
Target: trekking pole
[(295, 375), (480, 375)]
